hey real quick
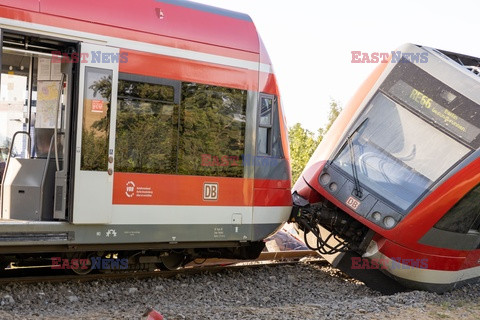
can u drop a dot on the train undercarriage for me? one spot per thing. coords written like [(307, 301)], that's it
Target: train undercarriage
[(146, 257), (341, 240)]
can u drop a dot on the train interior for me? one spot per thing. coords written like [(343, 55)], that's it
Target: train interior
[(35, 99)]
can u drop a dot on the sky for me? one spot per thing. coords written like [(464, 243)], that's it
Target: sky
[(310, 43)]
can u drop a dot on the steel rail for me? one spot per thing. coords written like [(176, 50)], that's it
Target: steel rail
[(46, 274)]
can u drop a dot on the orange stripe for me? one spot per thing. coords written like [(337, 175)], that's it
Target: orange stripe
[(273, 197), (187, 70), (159, 189), (273, 184), (267, 83), (162, 189)]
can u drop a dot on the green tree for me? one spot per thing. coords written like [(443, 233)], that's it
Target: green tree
[(335, 110), (302, 145), (303, 142)]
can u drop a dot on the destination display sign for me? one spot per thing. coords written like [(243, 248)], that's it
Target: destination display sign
[(449, 109), (431, 109)]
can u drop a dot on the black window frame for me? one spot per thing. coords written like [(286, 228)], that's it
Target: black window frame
[(268, 127), (98, 164), (141, 79), (177, 85), (464, 208), (216, 169)]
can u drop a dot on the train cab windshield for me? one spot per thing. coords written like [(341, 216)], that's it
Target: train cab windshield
[(417, 130), (398, 153)]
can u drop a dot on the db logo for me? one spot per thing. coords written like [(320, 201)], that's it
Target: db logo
[(210, 191), (353, 203), (130, 189)]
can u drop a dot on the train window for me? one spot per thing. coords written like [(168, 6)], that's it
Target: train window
[(266, 112), (264, 141), (146, 127), (212, 130), (397, 154), (464, 215), (96, 119)]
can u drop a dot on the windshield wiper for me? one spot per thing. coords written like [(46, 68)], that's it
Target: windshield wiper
[(356, 182), (357, 188)]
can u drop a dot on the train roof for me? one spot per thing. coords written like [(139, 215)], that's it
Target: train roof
[(178, 19)]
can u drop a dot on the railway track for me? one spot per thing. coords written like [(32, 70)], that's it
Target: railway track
[(46, 274)]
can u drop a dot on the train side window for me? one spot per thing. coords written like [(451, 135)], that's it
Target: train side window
[(96, 119), (264, 140), (147, 125), (211, 130), (464, 216)]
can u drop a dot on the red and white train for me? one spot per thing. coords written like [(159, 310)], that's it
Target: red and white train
[(149, 129), (392, 192)]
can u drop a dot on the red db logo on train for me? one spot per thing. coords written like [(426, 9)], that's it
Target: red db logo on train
[(210, 191)]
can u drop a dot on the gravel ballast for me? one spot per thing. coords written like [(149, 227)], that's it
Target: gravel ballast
[(301, 291)]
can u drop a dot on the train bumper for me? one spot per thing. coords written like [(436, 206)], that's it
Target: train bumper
[(414, 270)]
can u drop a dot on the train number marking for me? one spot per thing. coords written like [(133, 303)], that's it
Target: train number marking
[(353, 203), (210, 191)]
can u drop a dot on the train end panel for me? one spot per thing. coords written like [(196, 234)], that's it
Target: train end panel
[(417, 227)]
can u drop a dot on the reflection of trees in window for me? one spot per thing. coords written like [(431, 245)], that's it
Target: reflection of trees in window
[(96, 119), (151, 138), (212, 123), (146, 138), (464, 215)]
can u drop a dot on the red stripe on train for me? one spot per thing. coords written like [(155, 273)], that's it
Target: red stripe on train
[(433, 261)]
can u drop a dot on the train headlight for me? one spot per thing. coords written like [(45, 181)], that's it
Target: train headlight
[(325, 179), (389, 222), (376, 216), (333, 187)]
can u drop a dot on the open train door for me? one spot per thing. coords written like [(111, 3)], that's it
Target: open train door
[(95, 136)]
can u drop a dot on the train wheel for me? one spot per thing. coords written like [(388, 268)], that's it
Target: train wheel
[(85, 267), (172, 261)]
